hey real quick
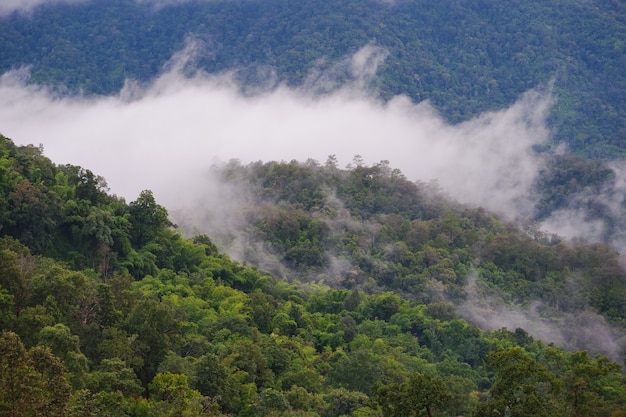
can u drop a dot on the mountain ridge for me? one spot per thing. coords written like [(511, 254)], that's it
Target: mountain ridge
[(484, 60)]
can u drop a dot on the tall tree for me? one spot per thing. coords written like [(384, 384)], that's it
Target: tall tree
[(420, 396), (32, 383), (147, 218), (522, 388)]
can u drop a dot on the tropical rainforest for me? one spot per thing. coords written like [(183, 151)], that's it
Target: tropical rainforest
[(326, 291), (107, 309)]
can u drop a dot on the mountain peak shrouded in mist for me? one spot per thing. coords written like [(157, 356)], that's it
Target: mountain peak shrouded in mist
[(369, 227)]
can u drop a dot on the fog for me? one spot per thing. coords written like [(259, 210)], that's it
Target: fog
[(574, 330), (165, 135), (579, 216)]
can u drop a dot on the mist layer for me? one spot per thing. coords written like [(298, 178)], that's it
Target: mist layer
[(165, 135)]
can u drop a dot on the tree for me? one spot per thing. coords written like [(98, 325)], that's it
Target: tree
[(522, 388), (262, 308), (157, 331), (147, 218), (586, 382), (247, 358), (66, 346), (268, 403), (34, 216), (15, 375), (417, 397), (173, 397), (33, 382), (213, 379), (113, 375), (343, 402), (89, 186), (97, 230), (55, 388), (382, 306), (71, 291), (361, 360), (301, 399), (17, 266)]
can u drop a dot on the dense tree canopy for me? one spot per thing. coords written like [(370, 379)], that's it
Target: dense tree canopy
[(114, 312)]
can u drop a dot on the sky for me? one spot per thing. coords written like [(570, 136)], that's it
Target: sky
[(165, 136)]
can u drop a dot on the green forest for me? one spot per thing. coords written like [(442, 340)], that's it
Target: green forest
[(107, 309), (337, 292), (465, 57)]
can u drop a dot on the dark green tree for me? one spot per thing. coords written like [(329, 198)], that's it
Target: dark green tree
[(419, 396), (147, 218), (523, 388), (32, 383)]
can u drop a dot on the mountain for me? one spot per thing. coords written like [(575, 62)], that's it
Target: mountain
[(465, 57), (106, 309), (297, 287)]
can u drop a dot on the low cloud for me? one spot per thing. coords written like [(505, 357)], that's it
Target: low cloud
[(166, 135)]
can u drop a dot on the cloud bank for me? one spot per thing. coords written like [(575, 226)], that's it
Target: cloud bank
[(165, 136)]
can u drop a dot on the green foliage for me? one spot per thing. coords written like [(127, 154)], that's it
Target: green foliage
[(33, 382), (213, 379), (522, 387), (157, 324), (113, 375), (421, 395), (66, 346), (147, 218)]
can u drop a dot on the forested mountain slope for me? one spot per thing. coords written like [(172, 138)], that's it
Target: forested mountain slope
[(369, 227), (105, 309), (464, 56)]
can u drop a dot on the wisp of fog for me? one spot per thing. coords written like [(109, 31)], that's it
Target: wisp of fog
[(584, 330)]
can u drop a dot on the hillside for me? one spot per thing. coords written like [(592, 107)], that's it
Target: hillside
[(465, 57), (486, 277), (106, 309), (368, 227)]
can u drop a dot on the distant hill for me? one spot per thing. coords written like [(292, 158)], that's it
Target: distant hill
[(464, 56)]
